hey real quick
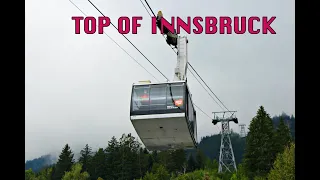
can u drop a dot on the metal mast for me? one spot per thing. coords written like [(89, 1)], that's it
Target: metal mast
[(180, 72), (242, 130), (226, 158)]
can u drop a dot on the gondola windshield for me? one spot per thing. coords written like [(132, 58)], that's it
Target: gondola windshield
[(158, 97), (140, 98)]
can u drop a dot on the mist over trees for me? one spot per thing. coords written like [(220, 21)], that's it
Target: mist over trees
[(266, 153)]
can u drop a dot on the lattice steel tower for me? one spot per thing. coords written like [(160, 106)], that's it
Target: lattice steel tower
[(242, 130), (226, 159)]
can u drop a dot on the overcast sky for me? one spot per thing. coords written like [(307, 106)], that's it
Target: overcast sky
[(78, 86)]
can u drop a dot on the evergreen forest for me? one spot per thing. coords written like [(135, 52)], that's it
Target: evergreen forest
[(267, 152)]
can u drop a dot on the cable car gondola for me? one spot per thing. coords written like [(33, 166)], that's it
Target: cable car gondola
[(163, 115)]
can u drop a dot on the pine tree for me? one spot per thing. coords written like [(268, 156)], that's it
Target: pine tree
[(153, 158), (284, 165), (260, 147), (45, 174), (137, 160), (282, 136), (143, 162), (64, 163), (150, 176), (200, 159), (162, 173), (191, 164), (53, 171), (164, 159), (98, 165), (85, 158), (215, 164), (240, 174), (177, 160), (113, 159), (211, 164), (129, 157)]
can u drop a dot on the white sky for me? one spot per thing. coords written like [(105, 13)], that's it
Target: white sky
[(78, 86)]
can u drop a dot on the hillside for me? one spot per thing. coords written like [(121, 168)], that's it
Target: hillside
[(37, 164), (210, 146), (289, 120)]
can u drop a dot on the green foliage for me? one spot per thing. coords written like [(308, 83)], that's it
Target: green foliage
[(177, 161), (86, 157), (64, 163), (143, 162), (124, 158), (282, 136), (159, 173), (234, 177), (191, 164), (162, 173), (29, 174), (260, 147), (45, 174), (288, 120), (164, 158), (129, 157), (76, 173), (210, 146), (153, 158), (240, 174), (225, 175), (215, 164), (260, 178), (98, 165), (113, 161), (200, 159), (198, 174), (150, 176), (211, 164), (284, 165)]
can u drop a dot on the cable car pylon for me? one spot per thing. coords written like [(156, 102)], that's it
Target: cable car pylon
[(242, 130), (226, 158)]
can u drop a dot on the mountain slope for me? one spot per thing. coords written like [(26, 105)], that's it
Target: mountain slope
[(37, 164)]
